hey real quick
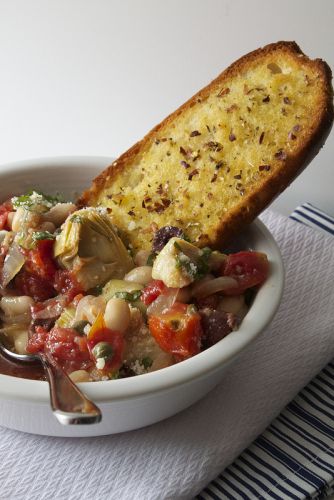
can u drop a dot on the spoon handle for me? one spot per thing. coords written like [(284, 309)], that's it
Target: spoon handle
[(69, 404)]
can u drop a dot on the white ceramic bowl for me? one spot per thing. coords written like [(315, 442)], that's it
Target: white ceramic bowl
[(139, 401)]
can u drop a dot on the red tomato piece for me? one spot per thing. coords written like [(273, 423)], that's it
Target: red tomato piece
[(177, 330), (66, 284), (115, 339), (64, 344), (5, 208), (37, 340), (69, 348), (40, 260), (8, 205), (36, 287), (152, 291), (247, 268)]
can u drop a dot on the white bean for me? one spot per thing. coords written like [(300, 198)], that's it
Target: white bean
[(141, 257), (23, 219), (59, 213), (117, 315), (20, 341), (141, 274), (80, 376), (13, 306), (214, 286)]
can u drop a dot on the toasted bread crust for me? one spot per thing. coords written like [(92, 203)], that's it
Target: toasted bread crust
[(270, 184)]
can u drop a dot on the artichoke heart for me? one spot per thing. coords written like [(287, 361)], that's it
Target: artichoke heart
[(89, 247)]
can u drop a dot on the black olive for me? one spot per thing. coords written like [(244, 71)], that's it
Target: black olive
[(163, 235), (216, 325)]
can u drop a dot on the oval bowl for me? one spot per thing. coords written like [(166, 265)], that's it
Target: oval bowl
[(142, 400)]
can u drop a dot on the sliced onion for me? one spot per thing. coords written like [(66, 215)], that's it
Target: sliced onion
[(184, 295), (89, 308), (209, 287), (199, 283), (163, 302), (13, 263), (51, 309)]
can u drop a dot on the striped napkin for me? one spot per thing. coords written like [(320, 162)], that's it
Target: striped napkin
[(294, 457)]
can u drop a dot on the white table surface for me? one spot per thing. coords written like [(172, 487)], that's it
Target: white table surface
[(92, 77)]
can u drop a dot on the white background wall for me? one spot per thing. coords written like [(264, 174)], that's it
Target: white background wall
[(92, 77)]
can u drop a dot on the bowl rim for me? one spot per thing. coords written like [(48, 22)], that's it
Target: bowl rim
[(257, 319)]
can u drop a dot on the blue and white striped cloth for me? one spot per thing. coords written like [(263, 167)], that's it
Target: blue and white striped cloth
[(294, 457)]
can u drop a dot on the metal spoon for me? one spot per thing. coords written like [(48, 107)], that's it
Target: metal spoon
[(69, 405)]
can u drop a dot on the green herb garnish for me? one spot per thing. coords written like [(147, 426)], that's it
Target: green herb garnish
[(43, 235), (177, 246), (203, 263), (187, 265), (151, 259), (76, 218), (97, 290), (129, 296), (194, 269), (33, 198), (147, 362)]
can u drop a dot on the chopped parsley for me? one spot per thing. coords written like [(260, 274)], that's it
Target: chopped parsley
[(76, 218), (34, 198), (129, 296), (97, 290), (151, 259), (42, 235), (177, 246), (197, 269), (183, 262), (147, 362)]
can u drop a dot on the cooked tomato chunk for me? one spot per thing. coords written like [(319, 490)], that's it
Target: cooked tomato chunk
[(177, 330), (65, 345), (111, 350), (247, 268), (152, 291), (33, 285)]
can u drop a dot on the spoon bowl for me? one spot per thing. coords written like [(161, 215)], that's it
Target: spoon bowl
[(69, 405)]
